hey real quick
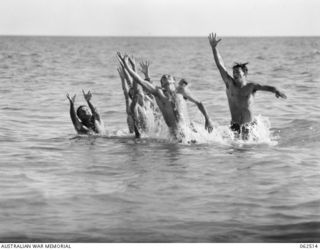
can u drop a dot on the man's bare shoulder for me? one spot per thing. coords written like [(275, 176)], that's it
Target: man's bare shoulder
[(82, 129), (252, 86), (252, 83), (158, 89), (228, 80), (182, 90), (159, 93)]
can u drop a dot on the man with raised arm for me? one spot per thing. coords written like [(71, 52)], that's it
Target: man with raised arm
[(239, 91), (171, 102), (144, 69), (128, 94), (135, 105), (85, 120)]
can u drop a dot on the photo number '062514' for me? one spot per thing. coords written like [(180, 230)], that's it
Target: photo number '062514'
[(308, 245)]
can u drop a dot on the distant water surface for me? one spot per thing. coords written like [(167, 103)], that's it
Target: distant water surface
[(57, 187)]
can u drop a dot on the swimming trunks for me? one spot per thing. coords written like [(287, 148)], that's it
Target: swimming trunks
[(243, 128)]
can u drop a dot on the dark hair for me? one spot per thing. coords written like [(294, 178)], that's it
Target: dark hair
[(166, 76), (163, 77), (184, 81), (79, 109), (243, 66)]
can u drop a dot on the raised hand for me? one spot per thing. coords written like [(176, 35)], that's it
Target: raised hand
[(126, 59), (123, 60), (144, 68), (280, 94), (120, 58), (87, 96), (208, 125), (119, 55), (73, 99), (213, 40)]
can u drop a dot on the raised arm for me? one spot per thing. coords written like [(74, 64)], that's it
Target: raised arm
[(133, 66), (132, 83), (135, 76), (126, 76), (94, 111), (125, 88), (218, 59), (185, 91), (268, 88), (75, 120), (144, 68), (132, 62)]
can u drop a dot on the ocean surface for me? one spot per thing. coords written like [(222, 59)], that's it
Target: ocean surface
[(56, 186)]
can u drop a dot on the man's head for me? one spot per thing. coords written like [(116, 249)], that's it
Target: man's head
[(240, 70), (167, 82), (183, 82), (84, 113)]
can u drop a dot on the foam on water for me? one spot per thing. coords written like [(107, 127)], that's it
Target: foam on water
[(221, 134)]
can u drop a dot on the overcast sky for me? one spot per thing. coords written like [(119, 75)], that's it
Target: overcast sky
[(160, 17)]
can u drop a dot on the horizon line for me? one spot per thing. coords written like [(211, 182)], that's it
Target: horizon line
[(154, 36)]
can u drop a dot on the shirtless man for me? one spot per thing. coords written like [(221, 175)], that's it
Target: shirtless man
[(135, 105), (128, 95), (171, 102), (144, 69), (85, 120), (239, 91)]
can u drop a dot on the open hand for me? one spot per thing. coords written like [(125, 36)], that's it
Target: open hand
[(208, 125), (87, 96), (280, 94), (144, 67), (73, 99), (123, 60), (213, 40), (120, 58)]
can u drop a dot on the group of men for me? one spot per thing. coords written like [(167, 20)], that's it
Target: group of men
[(146, 103)]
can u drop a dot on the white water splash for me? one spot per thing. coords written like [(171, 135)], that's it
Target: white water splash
[(258, 134), (221, 134)]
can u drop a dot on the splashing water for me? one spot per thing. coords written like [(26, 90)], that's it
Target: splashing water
[(258, 134), (221, 134)]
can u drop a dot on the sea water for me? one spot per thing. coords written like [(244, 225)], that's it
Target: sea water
[(56, 186)]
